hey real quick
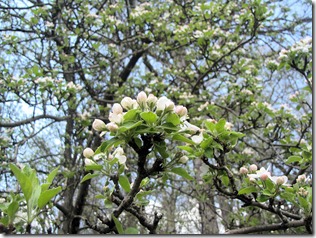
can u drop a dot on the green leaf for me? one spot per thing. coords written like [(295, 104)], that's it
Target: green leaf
[(182, 172), (129, 125), (206, 143), (173, 118), (25, 183), (304, 203), (131, 115), (131, 231), (293, 159), (88, 176), (220, 125), (124, 182), (210, 126), (12, 209), (168, 127), (118, 225), (288, 196), (247, 190), (149, 117), (52, 175), (93, 167), (161, 149), (108, 203), (107, 144), (46, 196), (186, 148), (144, 182), (270, 185), (5, 221), (45, 186), (262, 198), (182, 138), (100, 196), (225, 180)]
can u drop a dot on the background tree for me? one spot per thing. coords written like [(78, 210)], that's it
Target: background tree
[(65, 63)]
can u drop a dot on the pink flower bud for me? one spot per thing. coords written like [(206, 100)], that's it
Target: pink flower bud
[(117, 108), (243, 170), (264, 176), (141, 98), (253, 168), (98, 125), (112, 127), (252, 180), (88, 152), (181, 111)]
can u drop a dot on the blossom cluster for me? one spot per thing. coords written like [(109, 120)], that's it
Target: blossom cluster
[(263, 174), (143, 102)]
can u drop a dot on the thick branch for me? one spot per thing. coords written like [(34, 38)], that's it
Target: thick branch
[(274, 227)]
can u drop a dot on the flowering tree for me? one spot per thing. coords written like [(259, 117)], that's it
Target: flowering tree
[(182, 105)]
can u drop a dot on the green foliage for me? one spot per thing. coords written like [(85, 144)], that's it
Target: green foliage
[(36, 196)]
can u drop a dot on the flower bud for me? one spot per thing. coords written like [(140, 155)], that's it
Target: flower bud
[(228, 126), (280, 180), (116, 118), (211, 120), (183, 159), (98, 125), (253, 168), (88, 152), (112, 127), (164, 103), (301, 178), (88, 161), (151, 100), (252, 180), (117, 108), (127, 103), (141, 98), (264, 176), (243, 170), (181, 111)]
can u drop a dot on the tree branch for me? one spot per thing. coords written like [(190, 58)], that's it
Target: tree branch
[(273, 227)]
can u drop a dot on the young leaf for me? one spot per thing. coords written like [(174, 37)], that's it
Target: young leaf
[(118, 225), (131, 231), (46, 196), (130, 115), (23, 180), (129, 125), (149, 117), (220, 125), (173, 118), (107, 144), (88, 176), (93, 167), (247, 190), (293, 159), (182, 138), (52, 175), (123, 181), (182, 172)]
